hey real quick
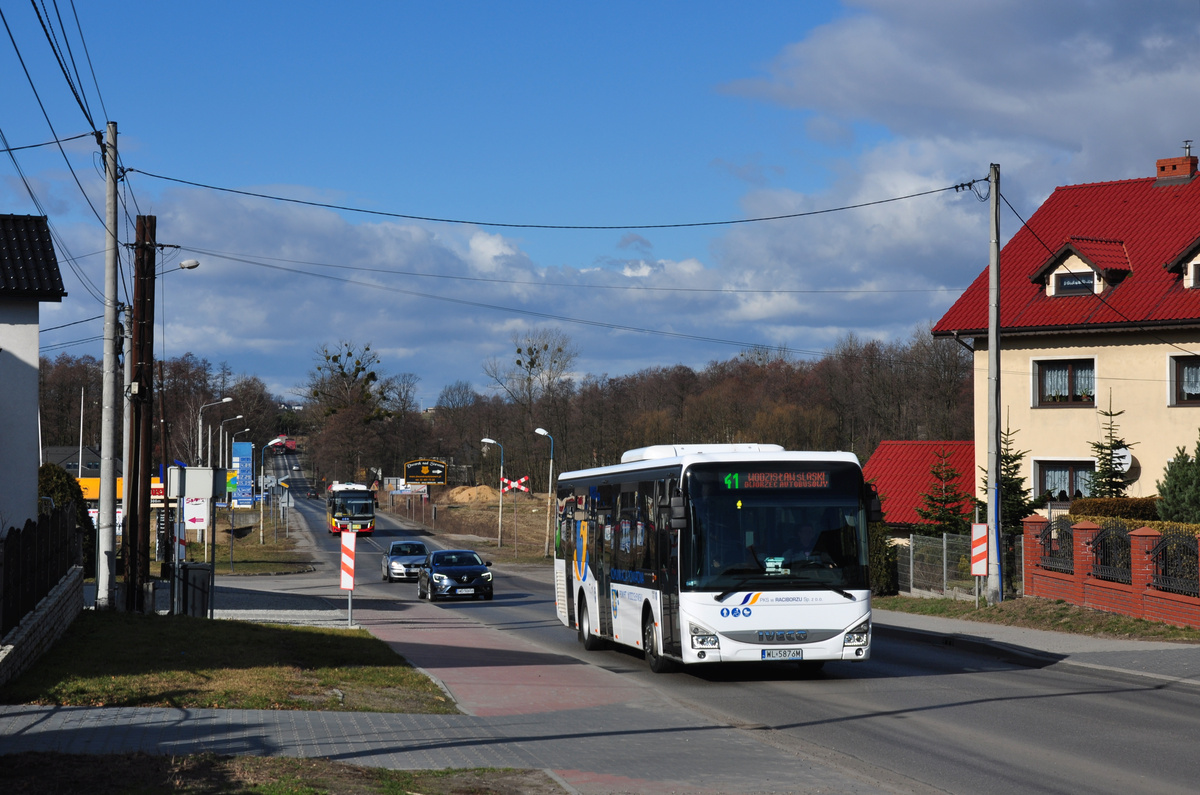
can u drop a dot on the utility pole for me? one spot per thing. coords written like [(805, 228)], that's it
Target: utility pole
[(107, 530), (136, 539), (995, 588)]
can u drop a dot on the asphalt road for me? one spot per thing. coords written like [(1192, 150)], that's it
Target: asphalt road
[(921, 717)]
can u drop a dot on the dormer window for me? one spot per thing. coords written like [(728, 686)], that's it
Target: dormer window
[(1075, 283)]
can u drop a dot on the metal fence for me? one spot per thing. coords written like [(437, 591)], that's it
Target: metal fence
[(33, 559), (1057, 541), (1111, 552), (1177, 562), (941, 566)]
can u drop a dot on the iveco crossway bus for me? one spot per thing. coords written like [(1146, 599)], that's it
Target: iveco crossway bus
[(718, 553)]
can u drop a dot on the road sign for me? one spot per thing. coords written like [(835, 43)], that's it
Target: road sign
[(348, 560), (979, 550), (425, 470), (521, 484)]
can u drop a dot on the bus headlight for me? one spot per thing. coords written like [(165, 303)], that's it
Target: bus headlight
[(860, 635), (703, 638)]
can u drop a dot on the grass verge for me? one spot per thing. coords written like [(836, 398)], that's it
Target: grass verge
[(278, 555), (68, 774), (126, 660), (1049, 614)]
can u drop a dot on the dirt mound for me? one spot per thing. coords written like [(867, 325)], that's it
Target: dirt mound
[(471, 494)]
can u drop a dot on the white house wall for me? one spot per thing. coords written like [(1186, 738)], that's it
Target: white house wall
[(18, 410)]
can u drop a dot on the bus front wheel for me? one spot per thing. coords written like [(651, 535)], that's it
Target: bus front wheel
[(590, 642), (657, 662)]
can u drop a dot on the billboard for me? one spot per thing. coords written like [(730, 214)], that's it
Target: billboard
[(426, 471), (243, 465)]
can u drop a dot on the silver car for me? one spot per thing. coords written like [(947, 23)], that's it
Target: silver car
[(403, 559)]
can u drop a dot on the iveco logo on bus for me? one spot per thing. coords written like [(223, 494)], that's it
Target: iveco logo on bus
[(782, 635)]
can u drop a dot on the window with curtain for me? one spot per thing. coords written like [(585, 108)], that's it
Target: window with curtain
[(1187, 380), (1067, 382), (1069, 479)]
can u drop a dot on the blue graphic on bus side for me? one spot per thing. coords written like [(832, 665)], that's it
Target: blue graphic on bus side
[(736, 612)]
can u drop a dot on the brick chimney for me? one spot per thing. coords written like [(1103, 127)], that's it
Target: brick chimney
[(1177, 169)]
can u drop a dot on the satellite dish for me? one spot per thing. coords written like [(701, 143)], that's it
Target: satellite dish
[(1122, 459)]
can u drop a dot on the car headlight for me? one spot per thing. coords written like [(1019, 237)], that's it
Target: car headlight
[(703, 638), (860, 635), (487, 576), (441, 579)]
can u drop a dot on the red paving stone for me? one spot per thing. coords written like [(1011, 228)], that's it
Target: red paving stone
[(493, 673)]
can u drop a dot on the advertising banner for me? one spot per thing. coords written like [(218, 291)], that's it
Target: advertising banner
[(243, 466), (425, 470)]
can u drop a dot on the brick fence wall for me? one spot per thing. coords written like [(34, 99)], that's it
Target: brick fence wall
[(38, 630), (1138, 599)]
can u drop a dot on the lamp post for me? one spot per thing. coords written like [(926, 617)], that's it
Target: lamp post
[(549, 487), (221, 433), (500, 518), (262, 487), (200, 424)]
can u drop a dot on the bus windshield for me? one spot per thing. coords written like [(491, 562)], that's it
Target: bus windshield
[(767, 529), (354, 507)]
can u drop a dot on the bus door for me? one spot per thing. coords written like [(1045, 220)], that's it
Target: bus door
[(603, 513), (668, 574)]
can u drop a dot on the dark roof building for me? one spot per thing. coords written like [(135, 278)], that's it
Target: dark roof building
[(28, 265)]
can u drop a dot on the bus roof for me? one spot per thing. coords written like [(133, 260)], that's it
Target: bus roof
[(684, 456), (348, 487)]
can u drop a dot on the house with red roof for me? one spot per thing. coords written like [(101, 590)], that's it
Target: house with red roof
[(902, 473), (1099, 307)]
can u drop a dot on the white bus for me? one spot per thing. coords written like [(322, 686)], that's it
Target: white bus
[(718, 553)]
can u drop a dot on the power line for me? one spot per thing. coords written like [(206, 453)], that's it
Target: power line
[(46, 116), (236, 257), (47, 143), (507, 225), (76, 323), (48, 31)]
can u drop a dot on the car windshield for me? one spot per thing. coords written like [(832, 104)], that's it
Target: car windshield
[(407, 549), (456, 559)]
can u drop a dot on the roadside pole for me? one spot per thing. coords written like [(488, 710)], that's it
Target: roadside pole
[(995, 590), (348, 539)]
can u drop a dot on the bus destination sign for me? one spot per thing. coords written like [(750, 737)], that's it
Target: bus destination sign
[(816, 479)]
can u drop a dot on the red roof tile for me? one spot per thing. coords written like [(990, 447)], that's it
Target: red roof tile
[(901, 473), (1142, 227)]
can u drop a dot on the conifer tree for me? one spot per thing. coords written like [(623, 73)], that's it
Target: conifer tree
[(1015, 500), (1179, 490), (946, 508), (1108, 481)]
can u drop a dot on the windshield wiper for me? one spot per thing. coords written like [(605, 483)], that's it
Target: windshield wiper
[(721, 597)]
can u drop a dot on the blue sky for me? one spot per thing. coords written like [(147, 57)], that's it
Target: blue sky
[(574, 114)]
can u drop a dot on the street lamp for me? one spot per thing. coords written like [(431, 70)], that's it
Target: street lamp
[(500, 518), (262, 486), (221, 431), (549, 487), (200, 424)]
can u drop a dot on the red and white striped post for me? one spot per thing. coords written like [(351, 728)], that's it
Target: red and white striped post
[(348, 573)]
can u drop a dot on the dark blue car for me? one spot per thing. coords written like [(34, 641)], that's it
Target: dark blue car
[(454, 572)]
